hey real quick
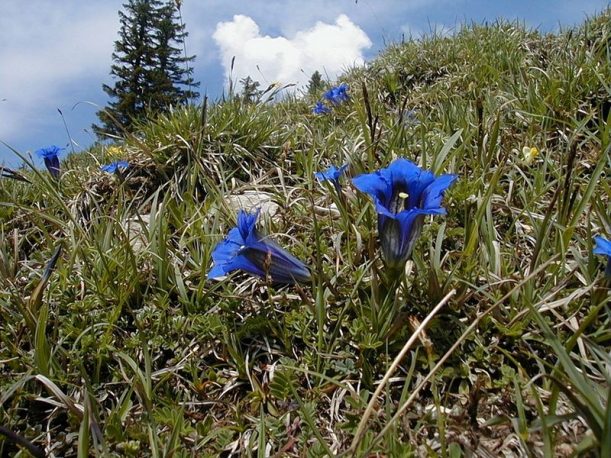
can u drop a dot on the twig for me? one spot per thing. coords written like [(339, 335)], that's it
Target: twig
[(36, 451), (393, 367)]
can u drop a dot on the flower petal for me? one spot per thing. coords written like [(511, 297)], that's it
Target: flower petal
[(603, 246), (433, 193), (414, 180), (377, 184), (49, 151), (228, 247), (52, 164), (398, 236), (244, 249), (246, 225), (320, 108), (114, 166), (332, 173), (217, 271), (281, 266)]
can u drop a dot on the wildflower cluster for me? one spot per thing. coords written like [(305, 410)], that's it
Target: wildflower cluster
[(334, 96), (403, 194)]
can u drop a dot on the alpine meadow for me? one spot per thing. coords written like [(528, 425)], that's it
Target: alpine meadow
[(413, 260)]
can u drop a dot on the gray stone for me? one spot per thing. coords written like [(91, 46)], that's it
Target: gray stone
[(252, 200), (136, 229)]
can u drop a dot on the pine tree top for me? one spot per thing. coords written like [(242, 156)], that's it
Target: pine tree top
[(151, 68)]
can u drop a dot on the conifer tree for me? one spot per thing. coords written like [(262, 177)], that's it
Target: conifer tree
[(315, 84), (151, 71), (250, 90), (172, 78)]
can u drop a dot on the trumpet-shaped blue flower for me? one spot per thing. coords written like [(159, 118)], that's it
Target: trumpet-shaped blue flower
[(332, 174), (117, 166), (603, 247), (321, 108), (403, 194), (245, 249), (49, 155), (337, 94)]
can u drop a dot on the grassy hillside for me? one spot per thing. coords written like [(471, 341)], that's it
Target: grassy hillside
[(492, 340)]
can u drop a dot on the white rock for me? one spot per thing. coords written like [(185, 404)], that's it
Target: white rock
[(252, 200), (136, 228)]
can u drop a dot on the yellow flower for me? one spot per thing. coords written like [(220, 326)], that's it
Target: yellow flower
[(529, 154), (115, 152)]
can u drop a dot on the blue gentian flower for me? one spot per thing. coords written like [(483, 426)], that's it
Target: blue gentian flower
[(332, 174), (321, 108), (49, 156), (117, 166), (403, 193), (245, 249), (337, 94), (409, 117), (603, 247)]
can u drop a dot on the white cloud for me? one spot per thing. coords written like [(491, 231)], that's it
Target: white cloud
[(48, 52), (328, 48)]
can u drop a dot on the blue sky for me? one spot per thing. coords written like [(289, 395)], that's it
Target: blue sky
[(56, 55)]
